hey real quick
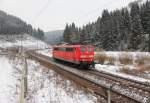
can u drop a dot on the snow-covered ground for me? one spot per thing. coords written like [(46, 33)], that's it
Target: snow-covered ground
[(9, 92), (116, 71), (44, 85), (47, 52)]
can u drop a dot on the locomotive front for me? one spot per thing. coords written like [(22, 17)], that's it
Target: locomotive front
[(87, 55)]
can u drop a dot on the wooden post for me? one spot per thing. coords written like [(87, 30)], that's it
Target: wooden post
[(109, 92), (23, 92), (22, 89), (109, 96)]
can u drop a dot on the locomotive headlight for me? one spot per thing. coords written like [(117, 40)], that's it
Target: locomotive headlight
[(87, 56), (83, 56)]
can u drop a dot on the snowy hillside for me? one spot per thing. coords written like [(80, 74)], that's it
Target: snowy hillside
[(26, 41)]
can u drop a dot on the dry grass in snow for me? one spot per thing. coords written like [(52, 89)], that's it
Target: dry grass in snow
[(135, 63)]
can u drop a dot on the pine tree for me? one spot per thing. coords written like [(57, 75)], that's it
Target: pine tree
[(105, 30), (66, 34), (116, 30), (145, 15), (125, 29), (136, 27), (71, 33)]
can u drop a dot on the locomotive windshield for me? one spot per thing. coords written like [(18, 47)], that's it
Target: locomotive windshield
[(83, 49), (87, 49)]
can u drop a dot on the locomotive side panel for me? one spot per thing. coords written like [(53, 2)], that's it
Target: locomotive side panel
[(69, 54), (78, 54)]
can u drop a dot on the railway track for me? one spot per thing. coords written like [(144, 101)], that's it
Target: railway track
[(142, 89), (141, 86), (121, 91)]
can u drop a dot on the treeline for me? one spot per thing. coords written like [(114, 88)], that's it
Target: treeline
[(123, 30), (12, 25)]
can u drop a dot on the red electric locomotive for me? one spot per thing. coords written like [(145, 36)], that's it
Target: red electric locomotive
[(82, 55)]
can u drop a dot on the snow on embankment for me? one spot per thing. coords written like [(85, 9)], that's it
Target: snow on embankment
[(46, 86), (115, 71), (46, 52), (8, 87)]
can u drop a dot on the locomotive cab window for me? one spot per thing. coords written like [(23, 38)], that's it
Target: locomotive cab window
[(62, 49), (90, 49), (69, 49)]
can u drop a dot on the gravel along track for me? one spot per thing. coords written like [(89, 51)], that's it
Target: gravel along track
[(121, 91)]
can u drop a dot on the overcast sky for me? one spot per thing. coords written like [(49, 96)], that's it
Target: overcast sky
[(54, 14)]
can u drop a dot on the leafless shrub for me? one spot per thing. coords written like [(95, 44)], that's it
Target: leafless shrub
[(99, 49), (111, 60), (141, 60), (144, 68), (126, 59), (126, 70), (101, 58)]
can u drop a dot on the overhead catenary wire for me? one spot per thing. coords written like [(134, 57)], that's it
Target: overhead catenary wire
[(39, 14), (41, 11), (87, 14)]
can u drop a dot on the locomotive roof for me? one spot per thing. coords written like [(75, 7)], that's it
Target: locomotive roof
[(71, 45)]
